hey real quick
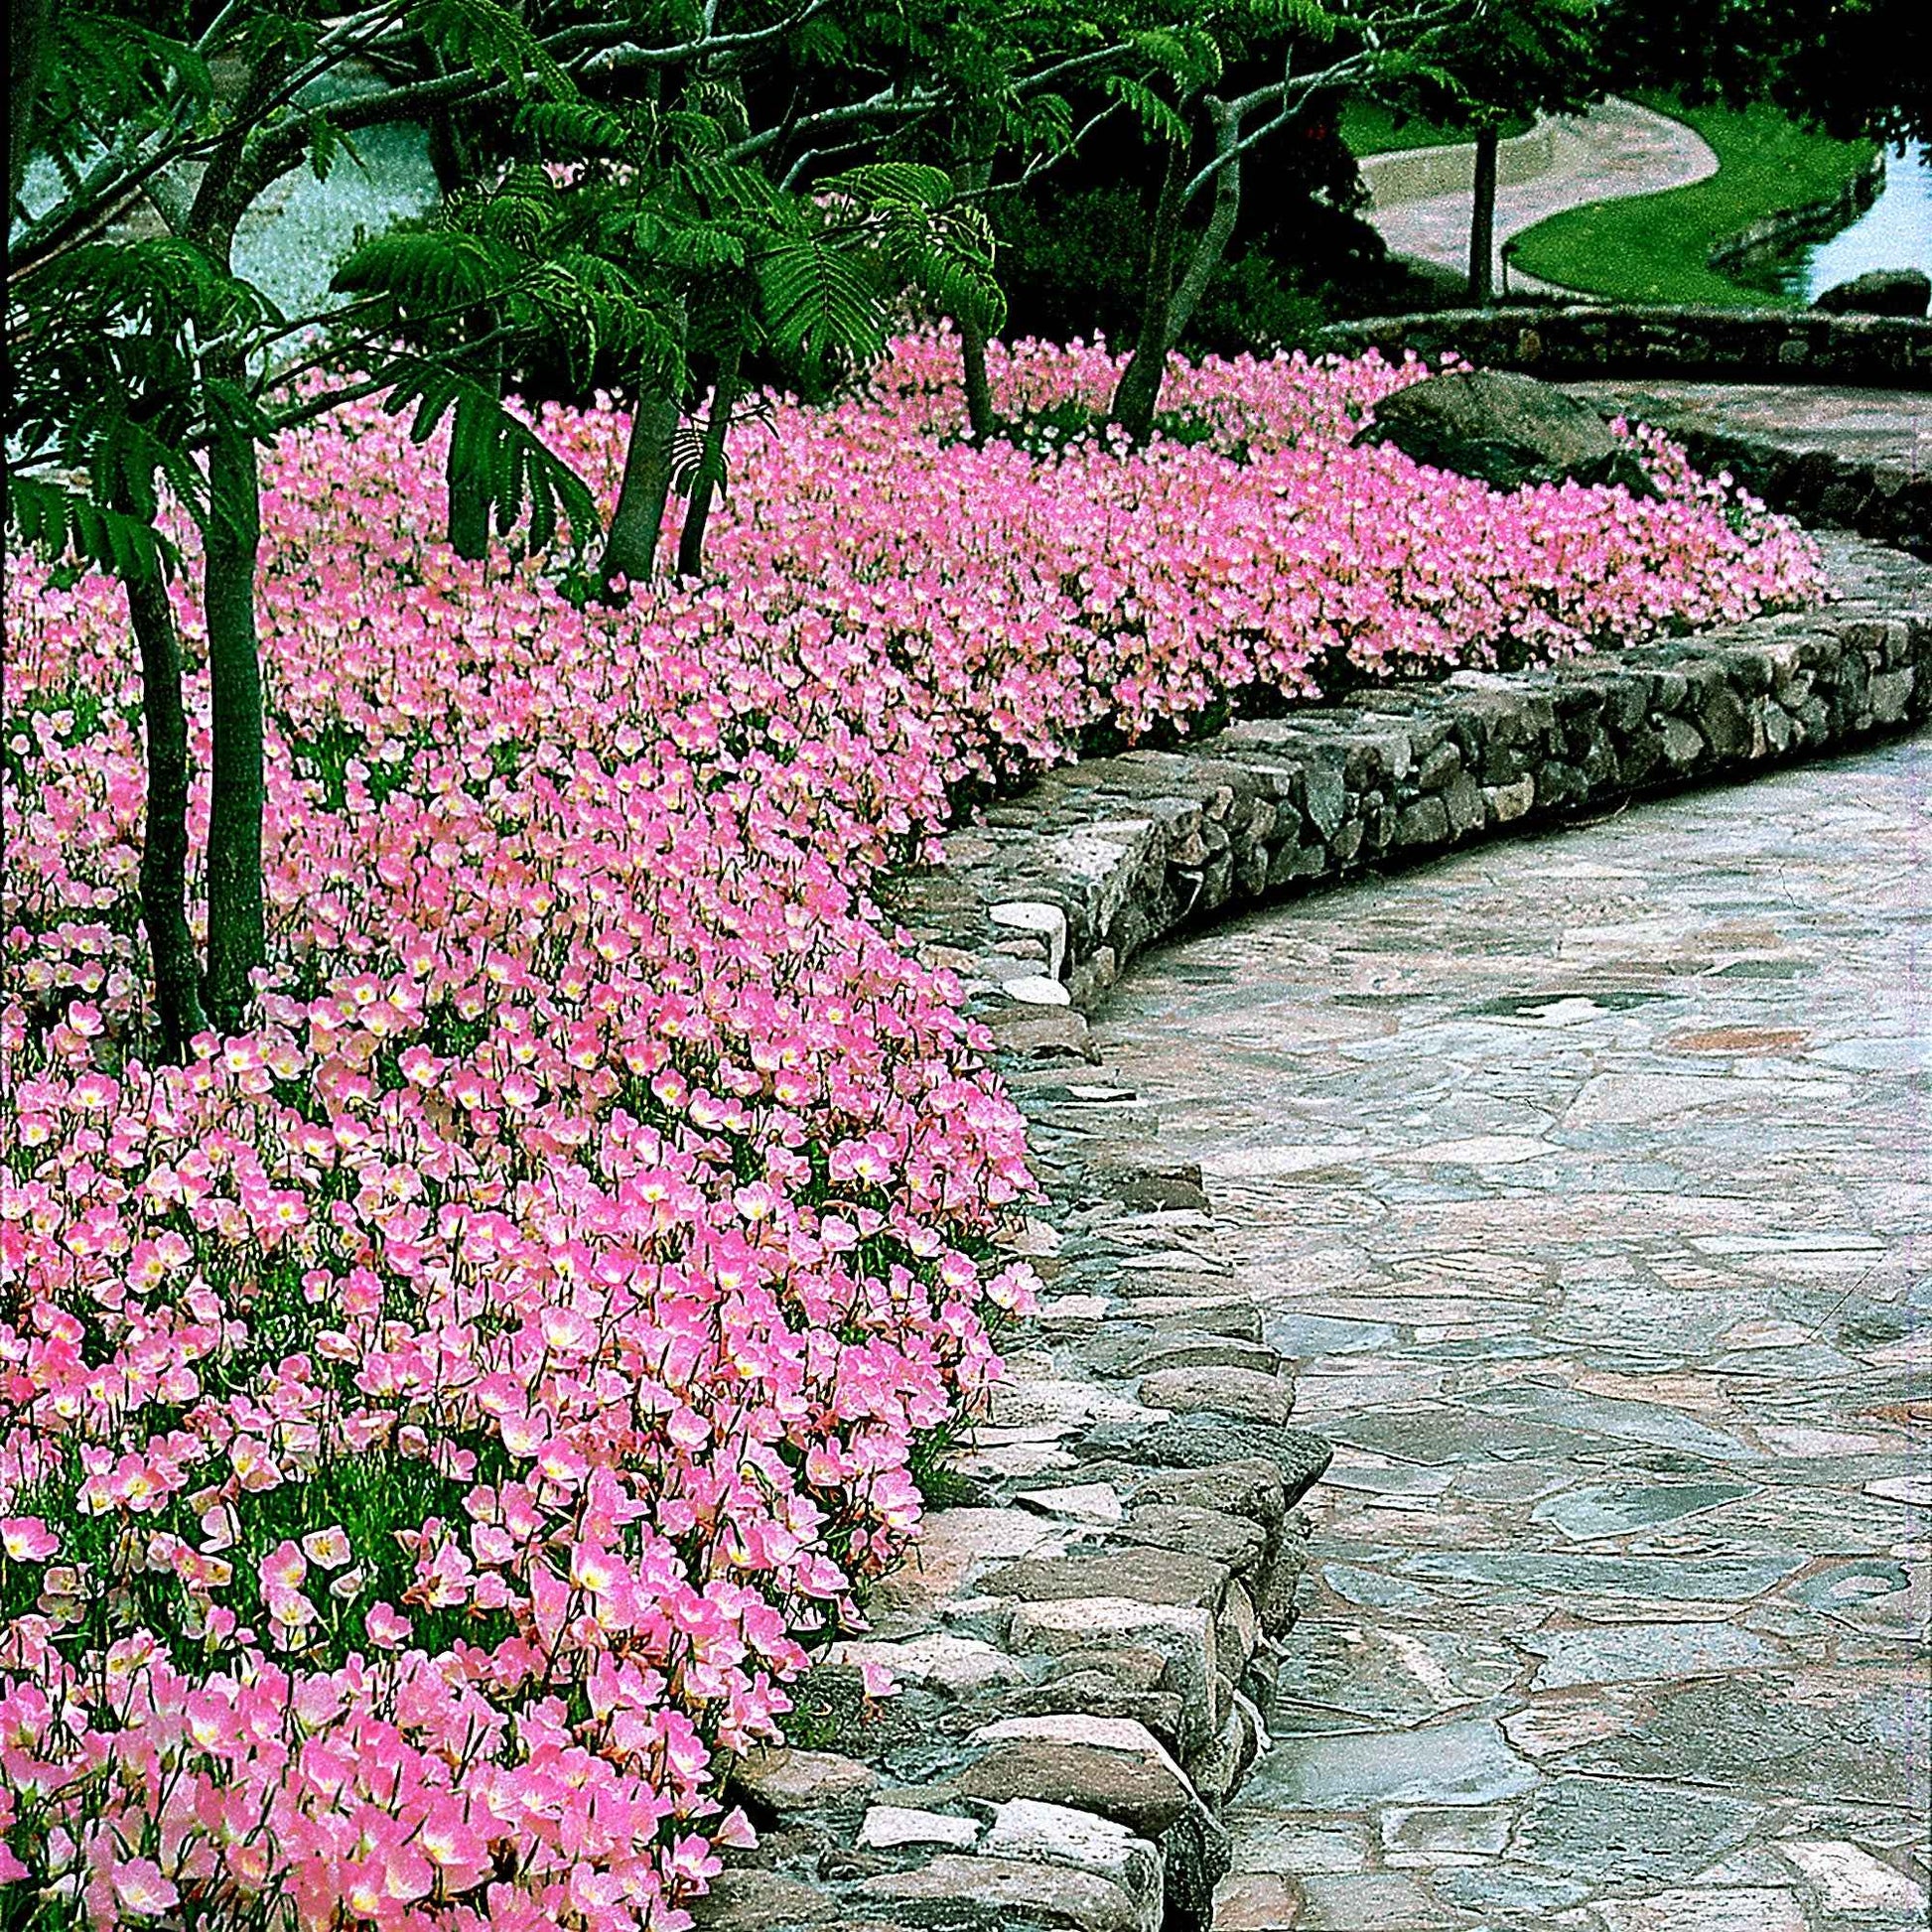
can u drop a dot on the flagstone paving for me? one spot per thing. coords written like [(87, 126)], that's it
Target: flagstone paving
[(1584, 1175)]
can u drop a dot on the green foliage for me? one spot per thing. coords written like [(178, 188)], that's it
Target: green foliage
[(493, 41), (1373, 127)]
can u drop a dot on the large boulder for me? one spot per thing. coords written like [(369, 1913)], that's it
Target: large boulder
[(1507, 429), (1879, 292)]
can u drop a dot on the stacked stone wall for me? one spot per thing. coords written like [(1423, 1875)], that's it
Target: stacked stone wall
[(1592, 339)]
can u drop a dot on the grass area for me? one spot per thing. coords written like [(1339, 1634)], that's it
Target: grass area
[(1368, 127), (1652, 247)]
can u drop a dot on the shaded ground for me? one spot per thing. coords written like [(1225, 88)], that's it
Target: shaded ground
[(1584, 1175)]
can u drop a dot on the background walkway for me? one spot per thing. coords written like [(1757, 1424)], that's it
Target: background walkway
[(1616, 150), (1879, 426), (1584, 1175)]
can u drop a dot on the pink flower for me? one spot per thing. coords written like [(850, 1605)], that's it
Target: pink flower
[(141, 1889), (26, 1538)]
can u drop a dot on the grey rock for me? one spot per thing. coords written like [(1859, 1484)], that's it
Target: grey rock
[(1140, 1789), (750, 1900), (1196, 1853), (1137, 1573), (1879, 292), (1251, 1487), (1239, 1392), (1100, 1695), (1144, 1354), (1201, 1442), (1032, 1832), (1235, 1540), (1507, 429), (1425, 822), (991, 1895)]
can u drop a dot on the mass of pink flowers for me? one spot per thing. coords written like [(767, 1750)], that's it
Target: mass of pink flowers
[(436, 1426)]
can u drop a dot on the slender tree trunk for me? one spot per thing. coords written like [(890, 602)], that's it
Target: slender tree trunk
[(711, 466), (1482, 221), (238, 942), (981, 418), (163, 844), (1214, 238), (970, 176), (637, 522), (29, 24), (236, 922), (1139, 388)]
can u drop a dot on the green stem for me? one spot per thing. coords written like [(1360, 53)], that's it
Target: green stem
[(164, 843), (711, 465), (236, 919)]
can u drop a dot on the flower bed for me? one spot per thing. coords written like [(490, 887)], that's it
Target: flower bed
[(436, 1425)]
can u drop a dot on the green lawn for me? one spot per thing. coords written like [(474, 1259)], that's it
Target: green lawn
[(1367, 127), (1652, 247)]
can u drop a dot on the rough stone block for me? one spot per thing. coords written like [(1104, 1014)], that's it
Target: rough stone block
[(1239, 1392), (1227, 1538), (1510, 802), (790, 1781), (1184, 1636), (991, 1894), (1109, 1765)]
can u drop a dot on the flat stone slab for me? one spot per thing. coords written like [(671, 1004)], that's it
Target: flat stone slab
[(1140, 1574)]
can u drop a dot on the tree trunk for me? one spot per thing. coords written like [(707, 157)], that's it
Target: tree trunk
[(1221, 217), (711, 465), (164, 843), (236, 923), (1482, 221), (637, 522), (29, 24), (981, 418), (970, 176), (1139, 388), (238, 942)]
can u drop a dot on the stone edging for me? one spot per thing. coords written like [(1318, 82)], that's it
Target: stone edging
[(1777, 231), (1887, 502), (1087, 1652), (1584, 338)]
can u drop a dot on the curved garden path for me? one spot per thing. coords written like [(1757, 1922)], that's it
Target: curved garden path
[(1617, 149), (1584, 1174)]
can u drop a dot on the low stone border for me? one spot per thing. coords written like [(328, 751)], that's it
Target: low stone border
[(1060, 888), (1888, 503), (1086, 1652), (1082, 1653), (1604, 339)]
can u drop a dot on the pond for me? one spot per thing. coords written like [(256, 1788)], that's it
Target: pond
[(1895, 231)]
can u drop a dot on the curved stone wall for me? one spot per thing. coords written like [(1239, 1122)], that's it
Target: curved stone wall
[(1086, 1650), (1606, 340)]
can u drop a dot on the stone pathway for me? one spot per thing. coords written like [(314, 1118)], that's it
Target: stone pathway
[(1617, 149), (1583, 1176), (1887, 427)]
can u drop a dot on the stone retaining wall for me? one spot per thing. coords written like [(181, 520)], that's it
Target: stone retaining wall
[(1087, 1649), (1888, 503), (1603, 339)]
